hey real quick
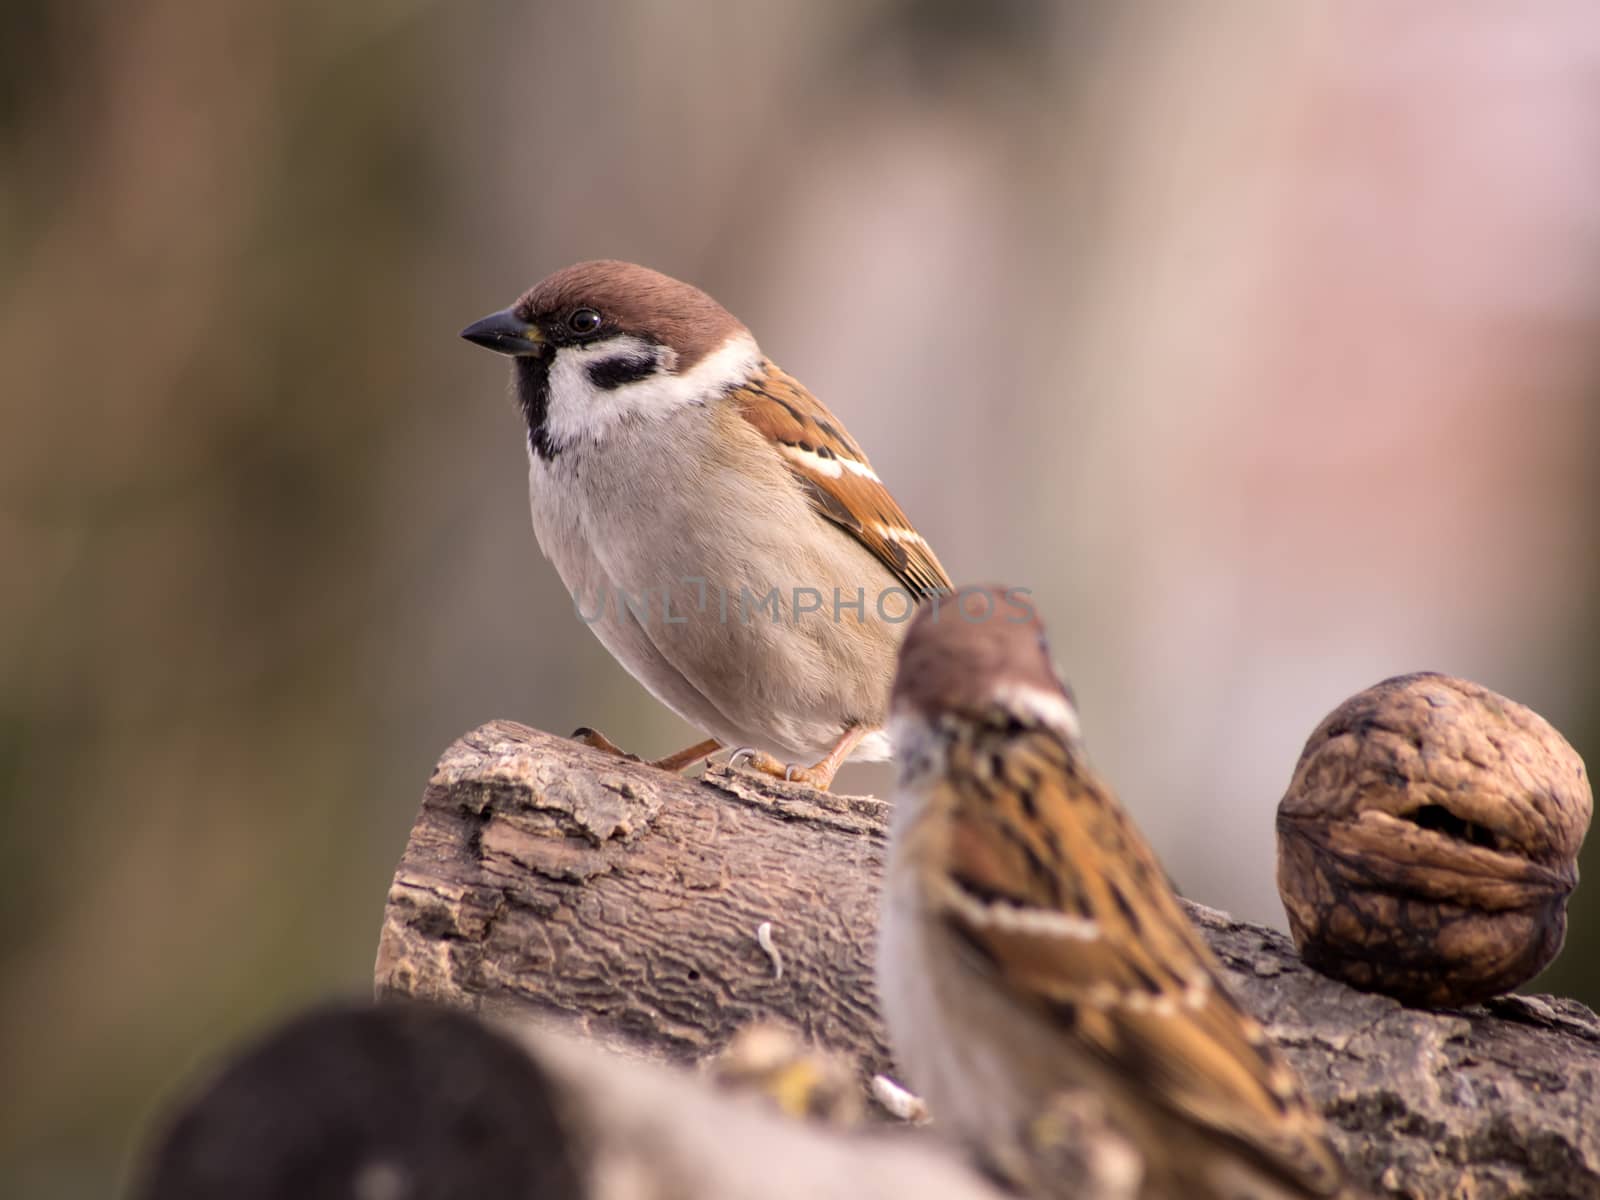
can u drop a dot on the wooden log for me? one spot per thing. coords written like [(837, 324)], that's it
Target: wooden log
[(544, 876), (549, 883)]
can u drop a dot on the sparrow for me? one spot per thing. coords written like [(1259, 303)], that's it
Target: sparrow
[(717, 527), (1031, 945)]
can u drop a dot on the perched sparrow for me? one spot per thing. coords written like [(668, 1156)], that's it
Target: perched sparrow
[(1031, 943), (717, 527)]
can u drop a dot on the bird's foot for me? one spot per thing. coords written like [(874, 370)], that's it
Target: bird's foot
[(818, 775), (686, 757), (760, 760)]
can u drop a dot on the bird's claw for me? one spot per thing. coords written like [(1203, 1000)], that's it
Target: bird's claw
[(765, 764)]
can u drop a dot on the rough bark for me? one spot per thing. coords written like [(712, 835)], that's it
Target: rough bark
[(546, 881)]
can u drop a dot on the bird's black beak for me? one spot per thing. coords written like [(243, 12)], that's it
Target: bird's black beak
[(505, 333)]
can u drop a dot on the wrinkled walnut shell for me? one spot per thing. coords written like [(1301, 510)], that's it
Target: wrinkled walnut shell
[(1429, 840)]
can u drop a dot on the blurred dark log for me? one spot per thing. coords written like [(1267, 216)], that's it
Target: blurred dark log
[(548, 883), (415, 1102)]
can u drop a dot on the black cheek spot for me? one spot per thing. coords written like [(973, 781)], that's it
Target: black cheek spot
[(611, 373)]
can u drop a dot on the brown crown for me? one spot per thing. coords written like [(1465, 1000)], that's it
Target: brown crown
[(961, 647), (634, 299)]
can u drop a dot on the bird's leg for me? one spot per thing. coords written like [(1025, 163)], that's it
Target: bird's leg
[(820, 774), (687, 757)]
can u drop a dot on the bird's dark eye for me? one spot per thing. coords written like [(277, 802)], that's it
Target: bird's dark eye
[(583, 321)]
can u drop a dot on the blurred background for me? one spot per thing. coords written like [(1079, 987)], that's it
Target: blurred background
[(1261, 341)]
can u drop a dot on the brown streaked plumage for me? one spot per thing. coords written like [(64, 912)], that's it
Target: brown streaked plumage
[(840, 481), (1032, 944), (670, 458)]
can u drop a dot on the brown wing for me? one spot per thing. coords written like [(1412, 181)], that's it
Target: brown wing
[(1054, 889), (839, 480)]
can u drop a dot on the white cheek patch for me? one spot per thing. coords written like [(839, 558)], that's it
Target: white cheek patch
[(1049, 708), (582, 411)]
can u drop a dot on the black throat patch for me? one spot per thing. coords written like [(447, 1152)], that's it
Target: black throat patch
[(531, 383)]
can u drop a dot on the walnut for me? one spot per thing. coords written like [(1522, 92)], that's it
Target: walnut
[(1429, 840)]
